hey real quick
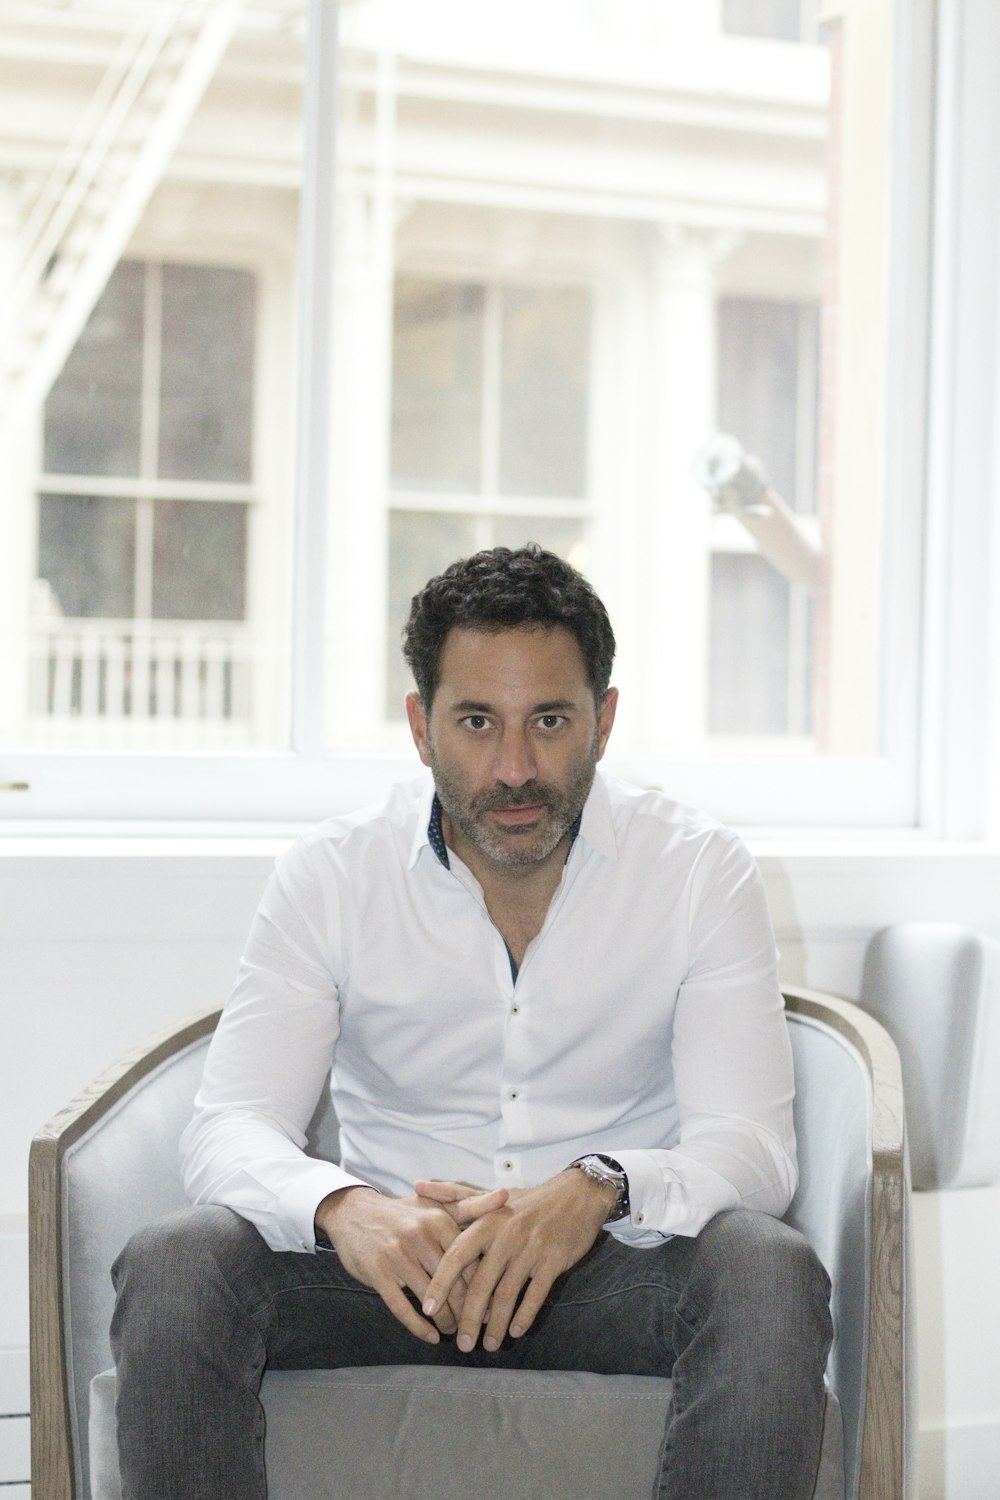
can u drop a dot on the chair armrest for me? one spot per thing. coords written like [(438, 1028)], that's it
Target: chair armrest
[(52, 1462), (885, 1461)]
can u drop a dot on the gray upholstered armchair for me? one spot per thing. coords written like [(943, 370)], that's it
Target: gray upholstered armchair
[(108, 1163)]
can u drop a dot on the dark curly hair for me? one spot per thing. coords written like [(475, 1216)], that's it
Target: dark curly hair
[(501, 589)]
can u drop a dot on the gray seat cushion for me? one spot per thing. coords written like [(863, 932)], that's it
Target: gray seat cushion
[(453, 1434)]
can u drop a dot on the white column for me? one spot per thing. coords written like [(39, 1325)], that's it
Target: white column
[(358, 542), (357, 626), (680, 413)]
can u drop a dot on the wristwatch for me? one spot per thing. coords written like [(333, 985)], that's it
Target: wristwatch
[(605, 1169)]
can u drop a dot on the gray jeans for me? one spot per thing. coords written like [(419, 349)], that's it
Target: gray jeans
[(739, 1317)]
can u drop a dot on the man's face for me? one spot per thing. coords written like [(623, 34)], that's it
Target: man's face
[(512, 739)]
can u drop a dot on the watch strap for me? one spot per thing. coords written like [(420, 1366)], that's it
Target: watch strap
[(603, 1168)]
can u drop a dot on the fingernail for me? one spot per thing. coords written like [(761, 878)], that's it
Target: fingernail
[(516, 1330), (465, 1342), (489, 1342), (430, 1307)]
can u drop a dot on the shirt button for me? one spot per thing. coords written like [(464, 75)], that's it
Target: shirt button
[(513, 1093), (508, 1166), (638, 1218), (515, 1010)]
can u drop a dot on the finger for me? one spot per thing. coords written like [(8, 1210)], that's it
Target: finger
[(505, 1301), (478, 1309), (446, 1316), (402, 1308), (463, 1252), (462, 1203), (479, 1205), (471, 1202), (531, 1304), (443, 1192), (446, 1321)]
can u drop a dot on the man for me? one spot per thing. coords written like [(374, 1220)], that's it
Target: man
[(562, 1076)]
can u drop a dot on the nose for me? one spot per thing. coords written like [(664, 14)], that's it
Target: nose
[(515, 762)]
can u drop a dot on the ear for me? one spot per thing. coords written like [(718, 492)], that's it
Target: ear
[(606, 719), (418, 725)]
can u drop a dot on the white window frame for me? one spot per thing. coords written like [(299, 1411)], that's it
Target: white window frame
[(949, 788)]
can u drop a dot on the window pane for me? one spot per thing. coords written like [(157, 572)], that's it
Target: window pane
[(556, 535), (421, 544), (437, 386), (759, 650), (92, 416), (784, 20), (767, 389), (206, 377), (543, 409), (199, 560), (86, 556)]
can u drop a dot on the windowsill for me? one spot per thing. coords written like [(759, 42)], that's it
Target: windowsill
[(265, 840)]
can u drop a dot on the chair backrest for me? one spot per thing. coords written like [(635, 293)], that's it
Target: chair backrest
[(110, 1164), (935, 987), (832, 1205)]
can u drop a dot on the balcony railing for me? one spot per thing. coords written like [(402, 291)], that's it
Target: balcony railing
[(194, 681)]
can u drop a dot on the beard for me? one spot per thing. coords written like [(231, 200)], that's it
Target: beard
[(561, 805)]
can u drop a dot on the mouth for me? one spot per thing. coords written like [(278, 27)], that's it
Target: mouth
[(515, 817)]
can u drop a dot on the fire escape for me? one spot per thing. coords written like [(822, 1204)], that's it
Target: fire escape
[(88, 208), (78, 228)]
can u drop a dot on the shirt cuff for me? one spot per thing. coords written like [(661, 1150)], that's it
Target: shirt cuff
[(673, 1199), (296, 1210)]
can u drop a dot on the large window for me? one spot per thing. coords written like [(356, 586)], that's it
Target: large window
[(139, 625), (551, 257)]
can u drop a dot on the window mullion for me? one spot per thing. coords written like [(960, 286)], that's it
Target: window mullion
[(315, 400), (149, 437), (492, 392)]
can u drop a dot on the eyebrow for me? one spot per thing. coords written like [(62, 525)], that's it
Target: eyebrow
[(469, 706)]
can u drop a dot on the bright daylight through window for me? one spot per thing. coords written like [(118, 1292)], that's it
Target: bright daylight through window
[(613, 277)]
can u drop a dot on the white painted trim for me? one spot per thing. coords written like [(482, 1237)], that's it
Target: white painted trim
[(960, 611), (315, 402)]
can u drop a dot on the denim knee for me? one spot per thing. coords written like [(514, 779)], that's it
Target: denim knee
[(763, 1282), (175, 1273)]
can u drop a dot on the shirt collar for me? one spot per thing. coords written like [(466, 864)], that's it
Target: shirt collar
[(597, 826)]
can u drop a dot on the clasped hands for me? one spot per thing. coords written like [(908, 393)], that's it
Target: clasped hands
[(475, 1261)]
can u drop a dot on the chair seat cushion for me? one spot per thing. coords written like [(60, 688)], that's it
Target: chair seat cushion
[(453, 1434)]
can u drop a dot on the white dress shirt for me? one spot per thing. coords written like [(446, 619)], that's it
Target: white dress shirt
[(645, 1022)]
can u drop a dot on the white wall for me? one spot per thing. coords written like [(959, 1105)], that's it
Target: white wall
[(104, 941)]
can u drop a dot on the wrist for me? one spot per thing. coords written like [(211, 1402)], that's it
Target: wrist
[(603, 1171), (335, 1207), (603, 1196)]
